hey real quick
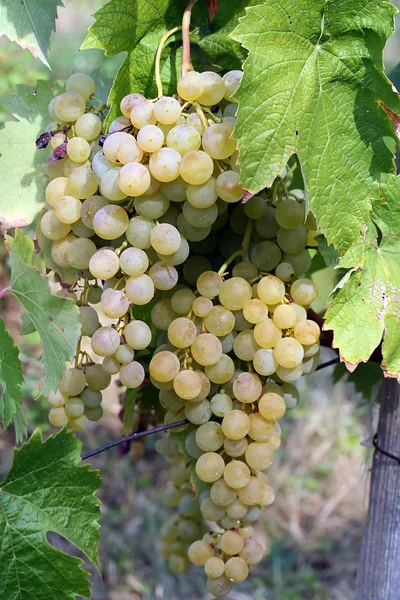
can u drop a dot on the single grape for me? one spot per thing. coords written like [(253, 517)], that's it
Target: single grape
[(247, 387), (132, 375), (128, 102), (73, 382), (82, 84), (150, 138), (206, 349), (105, 341), (139, 231), (134, 179), (89, 320), (264, 362), (110, 222), (217, 141), (229, 187), (133, 261), (196, 167), (236, 425), (288, 353), (209, 436), (290, 213), (88, 126), (167, 110), (255, 311), (164, 366), (52, 228), (104, 264), (285, 272), (232, 81), (245, 345), (140, 289), (58, 417), (122, 148), (307, 332), (210, 467), (68, 107), (190, 86), (214, 89), (183, 139), (97, 379)]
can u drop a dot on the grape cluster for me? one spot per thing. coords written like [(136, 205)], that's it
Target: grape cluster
[(150, 213)]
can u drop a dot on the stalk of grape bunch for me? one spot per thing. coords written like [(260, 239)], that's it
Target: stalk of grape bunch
[(148, 215)]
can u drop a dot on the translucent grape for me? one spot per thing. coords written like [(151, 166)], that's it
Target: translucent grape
[(134, 261), (140, 290), (214, 89), (256, 207), (88, 126), (150, 138), (139, 231), (182, 301), (73, 382), (164, 366), (260, 429), (232, 542), (206, 349), (167, 110), (290, 213), (68, 107), (304, 291), (247, 387), (124, 354), (182, 332), (164, 164), (97, 379), (78, 149), (285, 272), (90, 207), (105, 341), (235, 293), (162, 314), (190, 86), (231, 80), (235, 448), (52, 228), (194, 120), (202, 306), (58, 416), (134, 179), (252, 552), (104, 264), (255, 311), (217, 141), (122, 148), (199, 552), (290, 375), (221, 404), (236, 425), (270, 290), (245, 345), (110, 222), (229, 187), (184, 139), (196, 167), (81, 183), (266, 226), (82, 84), (264, 362), (55, 190), (210, 467), (246, 270), (209, 436), (57, 399), (214, 568), (221, 371)]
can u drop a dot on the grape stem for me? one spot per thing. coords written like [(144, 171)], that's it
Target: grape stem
[(244, 250), (4, 291), (158, 58), (186, 63)]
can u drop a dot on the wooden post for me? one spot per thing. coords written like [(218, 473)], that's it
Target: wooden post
[(378, 576)]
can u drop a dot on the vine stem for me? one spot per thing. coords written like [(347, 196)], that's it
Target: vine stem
[(187, 15), (158, 58), (4, 291), (133, 436)]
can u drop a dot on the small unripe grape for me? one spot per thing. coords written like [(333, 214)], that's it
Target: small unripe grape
[(89, 320), (236, 425), (82, 84), (91, 398), (94, 414), (74, 408), (210, 467), (58, 417), (190, 86), (140, 290), (73, 382), (138, 334), (105, 341), (307, 332), (104, 264), (132, 375)]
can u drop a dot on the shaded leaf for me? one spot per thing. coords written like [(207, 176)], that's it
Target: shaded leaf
[(46, 491), (11, 381), (56, 319), (365, 377)]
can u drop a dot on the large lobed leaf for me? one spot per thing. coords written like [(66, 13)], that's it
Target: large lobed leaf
[(136, 26), (46, 491), (56, 319), (29, 24), (366, 307), (312, 85), (11, 381), (22, 177)]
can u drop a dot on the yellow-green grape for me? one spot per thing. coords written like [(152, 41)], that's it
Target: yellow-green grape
[(122, 148), (80, 252), (236, 425), (128, 102), (58, 417), (134, 179), (190, 86), (138, 334), (199, 552), (79, 424), (202, 306), (81, 230), (110, 222), (246, 270), (206, 349), (301, 261), (111, 365), (292, 240), (142, 113), (179, 256), (270, 290), (55, 190), (284, 316), (205, 386), (140, 290), (89, 320), (210, 511), (182, 332), (256, 207), (175, 190), (164, 366), (97, 379), (200, 217), (164, 164), (235, 293), (94, 414), (88, 126), (307, 332), (214, 89), (198, 412), (105, 341), (59, 250), (214, 567), (196, 167), (194, 120), (74, 408), (68, 107), (82, 84), (290, 213), (94, 294), (178, 564), (232, 81), (221, 371), (252, 552), (57, 140), (187, 384), (51, 226), (222, 494), (71, 166), (109, 186), (219, 321), (183, 139), (91, 398), (165, 239), (288, 353), (236, 474), (259, 455), (132, 375), (252, 493), (210, 437), (221, 404), (260, 429), (245, 345), (272, 406), (78, 149), (232, 542), (267, 334), (162, 314), (104, 264), (73, 382), (301, 313), (210, 467), (285, 272), (255, 311), (209, 284), (81, 183), (236, 569), (150, 138), (236, 510), (138, 232), (134, 261), (217, 141), (247, 387), (266, 256), (310, 364), (202, 196), (57, 399), (89, 208), (264, 362), (229, 186), (182, 301), (290, 375), (220, 586), (164, 277), (167, 110), (235, 448)]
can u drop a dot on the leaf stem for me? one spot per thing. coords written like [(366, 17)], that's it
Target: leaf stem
[(186, 63), (158, 58), (4, 291)]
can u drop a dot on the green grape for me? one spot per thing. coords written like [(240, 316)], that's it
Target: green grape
[(138, 334), (78, 149), (164, 277), (214, 567), (270, 290), (122, 148), (165, 238), (214, 89), (104, 264), (259, 456), (58, 417), (255, 311), (57, 399), (196, 167), (151, 207), (90, 207), (182, 301), (260, 429), (110, 222), (304, 291), (68, 209), (94, 414), (167, 110), (235, 293), (246, 270), (236, 569), (236, 474), (182, 332), (247, 387), (236, 425), (74, 408), (264, 362), (52, 228), (164, 164), (88, 126), (132, 375), (219, 320), (307, 332), (267, 334), (150, 138), (251, 494), (256, 207), (222, 494), (97, 378), (210, 467), (202, 196), (91, 398), (199, 552), (134, 179), (89, 320), (187, 384), (81, 183), (198, 412), (245, 345), (164, 366), (217, 141), (266, 256), (179, 256), (162, 314), (206, 349), (140, 290), (202, 306), (221, 371), (82, 84), (236, 510), (221, 404), (229, 187), (139, 231), (289, 375), (219, 587), (105, 341), (73, 382), (183, 139), (59, 250), (232, 81), (200, 217), (284, 316), (55, 190), (68, 107), (232, 542), (235, 448), (290, 213), (209, 436), (133, 261), (301, 261), (190, 86), (227, 342), (292, 240), (310, 364), (241, 324), (266, 226), (80, 252), (109, 186), (285, 271)]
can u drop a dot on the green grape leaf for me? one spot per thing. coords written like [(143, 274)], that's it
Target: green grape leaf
[(366, 307), (30, 24), (136, 26), (11, 381), (46, 491), (314, 86), (27, 327), (22, 177), (56, 319), (365, 378)]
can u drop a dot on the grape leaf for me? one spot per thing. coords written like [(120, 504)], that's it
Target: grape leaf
[(367, 306), (11, 381), (137, 27), (56, 319), (46, 491), (365, 378), (22, 176), (27, 327), (29, 24), (313, 84)]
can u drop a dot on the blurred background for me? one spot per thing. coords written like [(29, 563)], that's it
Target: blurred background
[(321, 475)]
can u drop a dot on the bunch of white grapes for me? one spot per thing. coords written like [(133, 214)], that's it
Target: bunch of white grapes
[(150, 213)]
